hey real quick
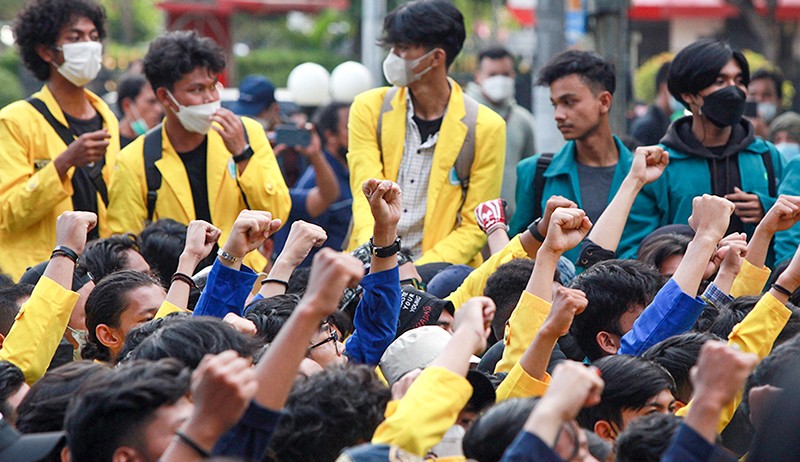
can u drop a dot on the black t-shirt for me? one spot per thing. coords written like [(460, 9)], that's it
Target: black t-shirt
[(427, 128), (84, 197), (195, 163)]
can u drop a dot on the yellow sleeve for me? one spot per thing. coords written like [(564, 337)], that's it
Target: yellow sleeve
[(262, 181), (429, 408), (127, 196), (485, 181), (26, 195), (750, 280), (518, 384), (525, 321), (755, 334), (38, 328), (474, 284), (364, 161), (168, 308)]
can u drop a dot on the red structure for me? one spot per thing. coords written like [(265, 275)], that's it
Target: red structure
[(212, 18)]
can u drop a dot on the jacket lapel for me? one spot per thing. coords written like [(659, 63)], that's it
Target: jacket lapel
[(218, 164), (448, 145), (393, 136)]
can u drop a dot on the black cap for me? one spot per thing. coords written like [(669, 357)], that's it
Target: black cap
[(80, 277), (418, 308), (34, 447)]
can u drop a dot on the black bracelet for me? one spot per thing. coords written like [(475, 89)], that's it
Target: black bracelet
[(64, 251), (782, 289), (184, 278), (276, 281), (534, 230), (192, 444)]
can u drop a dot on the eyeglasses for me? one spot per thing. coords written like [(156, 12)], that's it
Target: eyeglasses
[(332, 337)]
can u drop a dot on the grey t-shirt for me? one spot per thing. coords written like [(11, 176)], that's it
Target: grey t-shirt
[(595, 187)]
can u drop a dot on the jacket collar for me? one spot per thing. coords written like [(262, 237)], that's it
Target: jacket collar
[(97, 103)]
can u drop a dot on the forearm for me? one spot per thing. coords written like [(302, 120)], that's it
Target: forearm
[(541, 280), (703, 417), (758, 247), (689, 274), (179, 290), (456, 354), (607, 232), (536, 358), (497, 239), (281, 271), (384, 235), (327, 189), (277, 369), (544, 423)]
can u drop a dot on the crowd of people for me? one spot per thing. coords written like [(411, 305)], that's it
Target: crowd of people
[(428, 288)]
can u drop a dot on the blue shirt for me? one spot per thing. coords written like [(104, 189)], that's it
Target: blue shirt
[(335, 220)]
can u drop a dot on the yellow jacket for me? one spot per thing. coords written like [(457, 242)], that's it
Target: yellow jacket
[(261, 181), (444, 238), (38, 328), (32, 195)]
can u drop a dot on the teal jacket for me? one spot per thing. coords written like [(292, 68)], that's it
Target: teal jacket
[(786, 242), (688, 174), (561, 179)]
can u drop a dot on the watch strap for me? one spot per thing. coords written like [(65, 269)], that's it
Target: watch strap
[(385, 252)]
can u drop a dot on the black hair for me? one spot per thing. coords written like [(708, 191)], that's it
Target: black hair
[(655, 251), (775, 370), (41, 21), (677, 355), (9, 304), (504, 287), (190, 339), (139, 333), (493, 432), (129, 87), (329, 411), (647, 438), (270, 314), (298, 281), (175, 54), (105, 256), (630, 382), (597, 72), (161, 244), (662, 75), (775, 76), (494, 53), (111, 413), (697, 66), (791, 328), (731, 314), (105, 305), (11, 379), (327, 119), (430, 23), (45, 405), (612, 288)]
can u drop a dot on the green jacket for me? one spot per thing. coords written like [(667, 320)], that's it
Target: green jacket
[(561, 179)]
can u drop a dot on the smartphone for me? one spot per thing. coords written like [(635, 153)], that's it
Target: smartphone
[(751, 109), (290, 135)]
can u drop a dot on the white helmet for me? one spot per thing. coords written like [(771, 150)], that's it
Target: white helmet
[(308, 83), (348, 80)]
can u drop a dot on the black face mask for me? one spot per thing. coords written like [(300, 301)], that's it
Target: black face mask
[(724, 107)]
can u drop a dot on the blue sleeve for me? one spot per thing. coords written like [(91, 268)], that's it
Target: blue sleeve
[(249, 438), (376, 317), (528, 447), (671, 312), (226, 291), (688, 446)]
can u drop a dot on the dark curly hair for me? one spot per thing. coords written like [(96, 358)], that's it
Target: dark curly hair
[(40, 22), (11, 379), (329, 411), (178, 53)]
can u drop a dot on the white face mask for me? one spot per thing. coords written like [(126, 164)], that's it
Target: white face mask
[(82, 62), (196, 118), (767, 111), (80, 337), (789, 150), (400, 72), (498, 88)]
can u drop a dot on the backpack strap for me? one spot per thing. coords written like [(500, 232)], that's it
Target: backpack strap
[(66, 135), (542, 163), (386, 106), (466, 156), (152, 153), (772, 185)]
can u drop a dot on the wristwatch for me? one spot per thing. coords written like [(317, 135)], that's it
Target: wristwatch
[(534, 230), (384, 252), (246, 154)]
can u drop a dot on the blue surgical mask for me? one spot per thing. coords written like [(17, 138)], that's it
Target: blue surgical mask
[(788, 150)]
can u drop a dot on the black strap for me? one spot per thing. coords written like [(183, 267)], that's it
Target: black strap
[(772, 185), (542, 163), (152, 153), (96, 172)]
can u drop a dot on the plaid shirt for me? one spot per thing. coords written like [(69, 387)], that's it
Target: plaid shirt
[(413, 178)]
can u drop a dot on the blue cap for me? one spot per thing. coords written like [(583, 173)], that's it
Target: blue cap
[(256, 93), (448, 280)]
